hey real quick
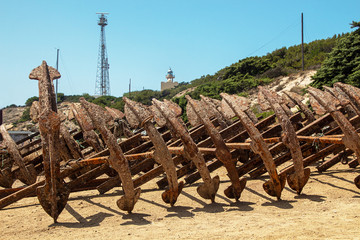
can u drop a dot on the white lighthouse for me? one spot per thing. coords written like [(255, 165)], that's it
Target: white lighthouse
[(169, 84), (170, 76)]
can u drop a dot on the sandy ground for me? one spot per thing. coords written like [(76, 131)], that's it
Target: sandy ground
[(329, 208)]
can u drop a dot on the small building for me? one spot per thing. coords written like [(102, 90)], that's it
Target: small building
[(169, 84)]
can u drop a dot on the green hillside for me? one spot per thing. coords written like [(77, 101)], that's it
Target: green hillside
[(338, 58), (343, 63)]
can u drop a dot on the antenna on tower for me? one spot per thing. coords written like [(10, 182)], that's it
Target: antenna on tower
[(102, 85)]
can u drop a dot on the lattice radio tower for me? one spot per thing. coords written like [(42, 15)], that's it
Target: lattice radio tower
[(102, 86)]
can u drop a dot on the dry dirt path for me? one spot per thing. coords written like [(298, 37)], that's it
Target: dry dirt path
[(329, 208)]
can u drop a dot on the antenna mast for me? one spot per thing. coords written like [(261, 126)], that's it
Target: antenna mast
[(102, 86)]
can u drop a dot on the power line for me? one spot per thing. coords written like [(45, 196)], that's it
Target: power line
[(282, 32), (68, 78)]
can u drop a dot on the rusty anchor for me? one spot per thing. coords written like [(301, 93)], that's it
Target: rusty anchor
[(297, 99), (213, 110), (53, 195), (264, 103), (70, 142), (351, 92), (343, 99), (121, 127), (208, 189), (299, 178), (137, 114), (87, 128), (226, 109), (275, 185), (117, 159), (27, 173), (222, 152), (351, 139)]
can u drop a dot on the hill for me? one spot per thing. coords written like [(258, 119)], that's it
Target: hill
[(238, 78)]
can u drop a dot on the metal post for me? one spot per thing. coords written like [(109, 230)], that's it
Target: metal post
[(130, 88), (302, 41), (57, 68)]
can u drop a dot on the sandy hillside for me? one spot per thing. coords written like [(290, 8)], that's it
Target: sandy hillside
[(329, 208)]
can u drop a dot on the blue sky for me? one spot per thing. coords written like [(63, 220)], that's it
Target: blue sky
[(145, 38)]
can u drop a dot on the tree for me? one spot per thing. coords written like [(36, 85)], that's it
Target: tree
[(343, 63), (29, 101)]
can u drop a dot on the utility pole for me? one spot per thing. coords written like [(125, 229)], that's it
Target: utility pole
[(302, 41), (57, 68), (130, 88)]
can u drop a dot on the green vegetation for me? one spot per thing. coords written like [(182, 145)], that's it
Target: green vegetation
[(238, 78), (29, 101), (25, 116), (343, 63)]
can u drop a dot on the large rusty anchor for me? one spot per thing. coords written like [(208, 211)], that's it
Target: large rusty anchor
[(53, 195), (299, 178), (137, 114), (116, 159), (275, 185), (351, 139), (222, 152), (208, 189)]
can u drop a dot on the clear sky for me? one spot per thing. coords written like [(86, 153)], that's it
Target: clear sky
[(145, 38)]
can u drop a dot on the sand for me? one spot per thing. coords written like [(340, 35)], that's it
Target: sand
[(329, 208)]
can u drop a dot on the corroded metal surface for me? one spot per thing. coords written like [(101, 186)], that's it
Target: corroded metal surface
[(212, 111), (46, 75), (70, 142), (141, 115), (210, 186), (290, 103), (53, 195), (318, 109), (35, 111), (344, 99), (351, 139), (296, 98), (87, 127), (117, 159), (190, 150), (276, 184), (115, 113), (174, 107), (265, 105), (339, 94), (299, 178), (222, 152), (27, 173), (351, 92), (193, 118)]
